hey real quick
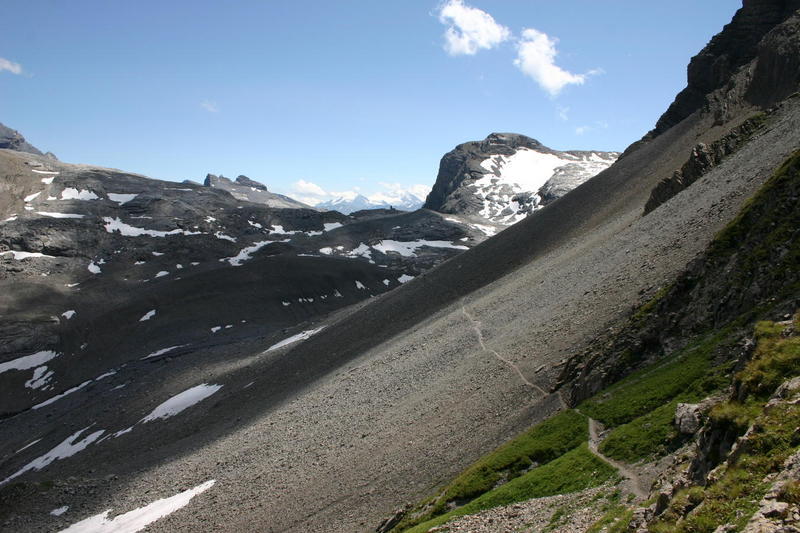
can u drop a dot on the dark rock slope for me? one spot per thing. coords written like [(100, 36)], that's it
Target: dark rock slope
[(86, 253), (507, 176)]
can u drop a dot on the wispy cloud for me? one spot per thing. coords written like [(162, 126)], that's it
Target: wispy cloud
[(580, 130), (563, 112), (209, 106), (469, 29), (13, 68), (536, 58)]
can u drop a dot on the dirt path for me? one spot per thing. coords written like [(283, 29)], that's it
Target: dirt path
[(476, 325), (633, 479)]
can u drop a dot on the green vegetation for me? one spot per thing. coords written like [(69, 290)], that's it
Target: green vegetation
[(775, 358), (542, 443), (733, 497), (643, 437), (576, 470), (615, 520), (649, 388)]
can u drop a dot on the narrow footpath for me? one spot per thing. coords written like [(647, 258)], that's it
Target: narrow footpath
[(595, 428)]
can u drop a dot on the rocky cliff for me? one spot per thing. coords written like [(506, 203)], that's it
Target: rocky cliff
[(507, 176)]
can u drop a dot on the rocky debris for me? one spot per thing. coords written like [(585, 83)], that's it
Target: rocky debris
[(13, 140), (775, 513), (702, 159), (249, 190), (565, 513), (473, 177)]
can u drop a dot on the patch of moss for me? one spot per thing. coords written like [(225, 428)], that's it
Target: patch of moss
[(576, 470)]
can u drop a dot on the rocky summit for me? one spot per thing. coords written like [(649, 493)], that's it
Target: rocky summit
[(245, 189), (505, 177)]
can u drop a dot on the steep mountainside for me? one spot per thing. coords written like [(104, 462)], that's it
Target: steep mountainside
[(505, 177), (332, 425)]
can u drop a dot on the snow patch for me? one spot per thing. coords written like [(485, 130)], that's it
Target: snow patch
[(163, 351), (303, 335), (59, 510), (409, 248), (94, 268), (68, 314), (245, 253), (32, 197), (69, 447), (181, 402), (24, 255), (121, 198), (116, 225), (74, 194), (28, 361), (138, 519), (59, 396), (41, 377), (48, 181), (148, 315), (59, 215), (405, 278)]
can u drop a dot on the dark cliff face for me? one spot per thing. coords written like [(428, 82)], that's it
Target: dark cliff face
[(463, 162), (762, 30), (13, 140)]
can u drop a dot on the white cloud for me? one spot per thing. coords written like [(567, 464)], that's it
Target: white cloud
[(563, 113), (209, 106), (469, 29), (580, 130), (536, 55), (307, 187), (13, 68)]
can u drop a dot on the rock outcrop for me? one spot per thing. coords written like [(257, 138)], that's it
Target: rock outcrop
[(252, 191), (702, 159)]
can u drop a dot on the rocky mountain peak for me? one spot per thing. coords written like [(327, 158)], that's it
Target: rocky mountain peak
[(506, 176), (247, 182)]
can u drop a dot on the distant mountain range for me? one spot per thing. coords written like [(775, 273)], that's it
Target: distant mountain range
[(405, 201)]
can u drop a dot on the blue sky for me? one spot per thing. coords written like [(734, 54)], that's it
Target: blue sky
[(317, 97)]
